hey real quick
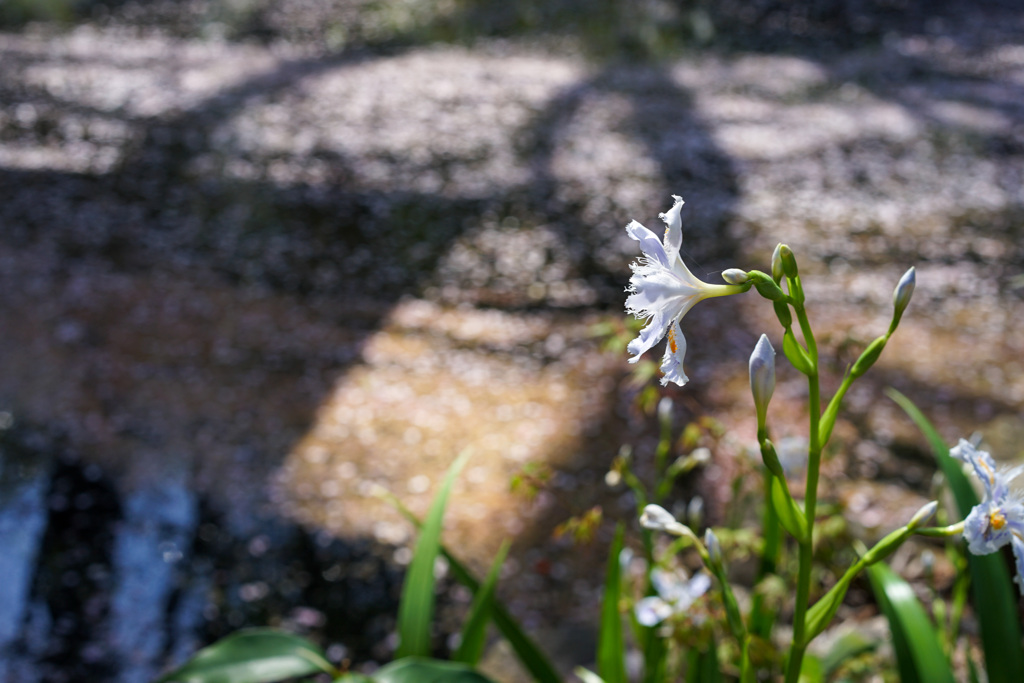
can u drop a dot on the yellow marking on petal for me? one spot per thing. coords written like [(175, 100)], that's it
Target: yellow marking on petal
[(997, 520), (672, 340), (991, 475)]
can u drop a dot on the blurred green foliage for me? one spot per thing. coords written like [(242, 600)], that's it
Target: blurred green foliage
[(601, 29)]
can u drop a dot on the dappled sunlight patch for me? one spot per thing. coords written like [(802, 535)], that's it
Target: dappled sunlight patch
[(433, 382)]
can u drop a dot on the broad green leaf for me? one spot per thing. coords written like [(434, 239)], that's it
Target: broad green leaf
[(611, 647), (253, 656), (994, 596), (423, 670), (790, 515), (919, 654), (531, 656), (474, 633), (416, 610), (350, 677)]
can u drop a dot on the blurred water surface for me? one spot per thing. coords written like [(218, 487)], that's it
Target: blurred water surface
[(259, 259)]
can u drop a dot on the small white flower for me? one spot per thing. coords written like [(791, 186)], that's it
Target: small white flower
[(999, 518), (662, 290), (675, 595)]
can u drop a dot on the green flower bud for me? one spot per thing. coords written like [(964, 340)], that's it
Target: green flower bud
[(868, 358), (788, 261), (766, 286), (771, 459), (783, 314)]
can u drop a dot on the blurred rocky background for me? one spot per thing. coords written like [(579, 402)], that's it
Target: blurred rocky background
[(261, 258)]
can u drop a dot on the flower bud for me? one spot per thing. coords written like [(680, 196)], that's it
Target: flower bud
[(771, 459), (713, 546), (766, 286), (695, 511), (665, 413), (783, 314), (788, 261), (901, 296), (735, 276), (868, 358), (928, 562), (777, 263), (658, 518), (923, 515), (762, 377)]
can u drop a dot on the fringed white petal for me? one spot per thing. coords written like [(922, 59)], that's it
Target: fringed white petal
[(675, 351), (1018, 556), (650, 245), (673, 227)]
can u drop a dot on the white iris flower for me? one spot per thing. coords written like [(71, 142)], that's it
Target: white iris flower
[(999, 518), (662, 290), (675, 595)]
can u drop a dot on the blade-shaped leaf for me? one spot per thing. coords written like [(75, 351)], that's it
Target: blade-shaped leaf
[(702, 666), (531, 656), (919, 654), (811, 670), (611, 647), (416, 610), (789, 513), (474, 633), (994, 596), (252, 656), (423, 670), (848, 645)]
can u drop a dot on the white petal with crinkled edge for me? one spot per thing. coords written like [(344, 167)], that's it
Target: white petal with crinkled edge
[(672, 362), (1018, 556), (673, 227), (649, 336), (650, 245), (982, 462)]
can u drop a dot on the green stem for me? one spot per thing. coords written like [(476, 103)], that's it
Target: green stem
[(806, 551)]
